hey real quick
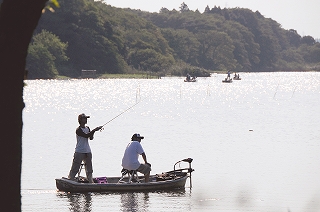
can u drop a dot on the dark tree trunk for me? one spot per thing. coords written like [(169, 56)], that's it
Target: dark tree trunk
[(18, 19)]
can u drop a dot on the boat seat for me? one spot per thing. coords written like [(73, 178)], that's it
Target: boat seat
[(132, 176)]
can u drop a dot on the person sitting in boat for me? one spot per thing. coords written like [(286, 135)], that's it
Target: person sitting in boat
[(82, 150), (235, 75), (130, 158)]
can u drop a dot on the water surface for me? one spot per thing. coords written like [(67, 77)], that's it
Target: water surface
[(255, 142)]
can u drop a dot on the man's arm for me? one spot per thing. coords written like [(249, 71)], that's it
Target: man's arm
[(145, 159), (79, 132)]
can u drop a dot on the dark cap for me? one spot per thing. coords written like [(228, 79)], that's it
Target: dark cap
[(135, 136), (82, 115)]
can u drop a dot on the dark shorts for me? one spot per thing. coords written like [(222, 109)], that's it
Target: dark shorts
[(144, 169)]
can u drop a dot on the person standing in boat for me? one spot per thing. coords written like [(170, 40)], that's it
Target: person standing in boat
[(83, 150), (228, 76), (130, 158)]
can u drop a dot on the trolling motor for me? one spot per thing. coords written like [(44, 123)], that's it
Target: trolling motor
[(188, 160)]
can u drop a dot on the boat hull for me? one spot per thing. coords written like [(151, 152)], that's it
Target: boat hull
[(64, 184), (227, 81)]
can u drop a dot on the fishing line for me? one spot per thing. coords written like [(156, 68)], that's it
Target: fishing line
[(293, 91), (122, 113), (137, 94), (276, 91)]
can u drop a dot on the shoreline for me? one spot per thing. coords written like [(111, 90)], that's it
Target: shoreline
[(147, 76)]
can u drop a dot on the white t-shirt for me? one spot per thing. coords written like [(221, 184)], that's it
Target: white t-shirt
[(130, 158), (82, 142)]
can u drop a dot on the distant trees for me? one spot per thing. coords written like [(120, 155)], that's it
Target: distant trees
[(293, 37), (184, 7), (185, 45), (93, 42), (46, 55), (308, 40), (259, 44), (216, 51), (113, 40), (163, 10), (311, 53)]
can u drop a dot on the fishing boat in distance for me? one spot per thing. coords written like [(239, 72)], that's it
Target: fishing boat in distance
[(226, 80), (190, 79), (130, 181), (236, 76)]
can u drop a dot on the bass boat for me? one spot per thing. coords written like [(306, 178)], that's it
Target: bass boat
[(227, 80), (129, 181)]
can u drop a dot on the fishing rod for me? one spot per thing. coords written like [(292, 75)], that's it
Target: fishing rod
[(137, 102), (121, 113)]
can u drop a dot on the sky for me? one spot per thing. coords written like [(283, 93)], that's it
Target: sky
[(301, 15)]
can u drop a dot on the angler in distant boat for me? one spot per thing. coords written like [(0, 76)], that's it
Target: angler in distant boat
[(227, 79), (228, 75), (190, 79), (236, 76)]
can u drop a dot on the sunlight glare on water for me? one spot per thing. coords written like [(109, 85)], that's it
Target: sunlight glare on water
[(255, 142)]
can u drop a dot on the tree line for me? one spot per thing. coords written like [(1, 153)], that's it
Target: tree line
[(88, 34)]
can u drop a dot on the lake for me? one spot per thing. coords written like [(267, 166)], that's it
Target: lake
[(255, 143)]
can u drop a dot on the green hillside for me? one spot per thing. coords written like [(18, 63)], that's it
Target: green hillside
[(91, 35)]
